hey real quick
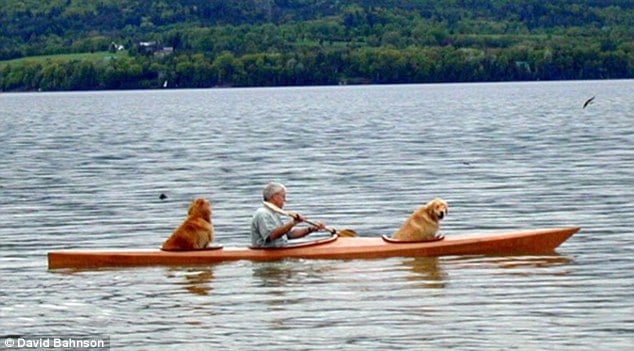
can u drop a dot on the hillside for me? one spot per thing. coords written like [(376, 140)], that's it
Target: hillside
[(198, 43)]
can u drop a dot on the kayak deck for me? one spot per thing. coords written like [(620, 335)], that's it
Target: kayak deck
[(518, 242)]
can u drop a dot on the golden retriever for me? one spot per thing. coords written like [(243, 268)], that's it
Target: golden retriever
[(424, 223), (196, 232)]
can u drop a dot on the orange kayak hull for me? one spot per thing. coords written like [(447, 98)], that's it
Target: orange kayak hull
[(538, 241)]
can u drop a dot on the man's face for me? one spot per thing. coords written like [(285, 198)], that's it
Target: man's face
[(278, 199)]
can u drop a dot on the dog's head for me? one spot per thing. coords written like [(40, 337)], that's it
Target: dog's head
[(200, 208), (437, 208)]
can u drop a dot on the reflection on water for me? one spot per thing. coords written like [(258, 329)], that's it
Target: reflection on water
[(431, 272), (428, 271), (273, 273), (534, 262), (520, 265), (195, 280), (292, 272)]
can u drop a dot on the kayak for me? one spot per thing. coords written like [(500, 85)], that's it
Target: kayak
[(334, 247)]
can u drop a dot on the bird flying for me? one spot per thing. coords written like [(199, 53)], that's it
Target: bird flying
[(588, 102)]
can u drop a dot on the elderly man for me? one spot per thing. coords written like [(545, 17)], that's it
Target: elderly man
[(267, 228)]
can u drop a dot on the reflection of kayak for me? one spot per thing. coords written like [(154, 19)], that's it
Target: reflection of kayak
[(519, 242)]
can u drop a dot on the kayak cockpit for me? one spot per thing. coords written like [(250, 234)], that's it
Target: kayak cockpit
[(208, 248), (396, 241)]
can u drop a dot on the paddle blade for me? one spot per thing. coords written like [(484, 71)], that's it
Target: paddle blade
[(347, 233)]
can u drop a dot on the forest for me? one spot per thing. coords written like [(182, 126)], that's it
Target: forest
[(60, 45)]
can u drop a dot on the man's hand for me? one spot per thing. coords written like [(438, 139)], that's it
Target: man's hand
[(297, 218), (319, 226)]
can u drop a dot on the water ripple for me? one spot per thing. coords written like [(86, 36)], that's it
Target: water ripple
[(85, 170)]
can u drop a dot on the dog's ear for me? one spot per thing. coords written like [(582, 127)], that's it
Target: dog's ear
[(192, 207), (441, 203)]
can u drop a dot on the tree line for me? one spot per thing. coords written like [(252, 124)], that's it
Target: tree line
[(310, 42), (316, 67)]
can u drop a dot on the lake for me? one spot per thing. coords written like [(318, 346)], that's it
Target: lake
[(84, 170)]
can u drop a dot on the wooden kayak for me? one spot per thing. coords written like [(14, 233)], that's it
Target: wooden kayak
[(518, 242)]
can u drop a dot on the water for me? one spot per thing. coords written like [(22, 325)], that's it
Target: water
[(85, 170)]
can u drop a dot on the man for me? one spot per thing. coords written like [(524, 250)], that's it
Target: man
[(267, 228)]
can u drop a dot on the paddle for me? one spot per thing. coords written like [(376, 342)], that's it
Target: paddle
[(333, 231)]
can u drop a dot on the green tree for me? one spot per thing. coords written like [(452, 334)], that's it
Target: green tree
[(228, 68)]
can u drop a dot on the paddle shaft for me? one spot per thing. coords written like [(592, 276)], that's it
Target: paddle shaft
[(271, 206)]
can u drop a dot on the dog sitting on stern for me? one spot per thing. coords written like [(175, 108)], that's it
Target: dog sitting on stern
[(196, 232)]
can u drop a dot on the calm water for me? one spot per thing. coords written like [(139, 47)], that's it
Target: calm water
[(85, 170)]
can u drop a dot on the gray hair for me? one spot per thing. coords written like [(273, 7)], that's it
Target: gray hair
[(271, 189)]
